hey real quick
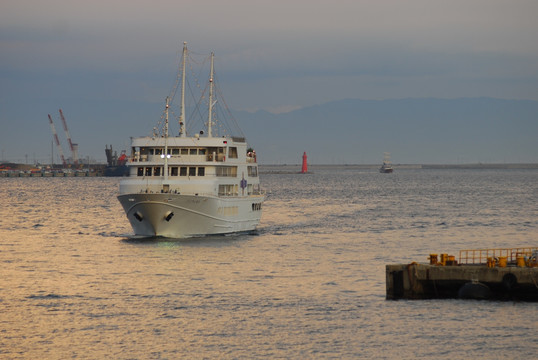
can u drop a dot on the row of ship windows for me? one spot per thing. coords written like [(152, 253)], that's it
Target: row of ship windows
[(173, 171), (227, 171), (233, 190), (232, 151)]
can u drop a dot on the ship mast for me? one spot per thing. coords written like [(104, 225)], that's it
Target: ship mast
[(182, 131), (165, 155), (210, 112)]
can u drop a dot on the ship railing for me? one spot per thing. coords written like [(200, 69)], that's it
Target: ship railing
[(258, 192), (237, 194), (209, 194), (480, 256), (186, 159), (151, 190)]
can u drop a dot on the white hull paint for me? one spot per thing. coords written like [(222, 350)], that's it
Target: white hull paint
[(191, 215)]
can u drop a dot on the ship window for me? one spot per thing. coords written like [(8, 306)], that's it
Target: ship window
[(192, 171), (157, 171), (175, 151), (150, 151), (226, 170), (201, 151), (256, 206), (232, 153), (184, 151), (148, 171), (143, 154), (193, 151), (173, 171), (158, 151), (201, 171), (140, 171), (252, 171), (216, 154), (183, 171), (227, 190)]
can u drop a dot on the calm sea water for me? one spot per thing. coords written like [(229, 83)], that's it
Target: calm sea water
[(310, 284)]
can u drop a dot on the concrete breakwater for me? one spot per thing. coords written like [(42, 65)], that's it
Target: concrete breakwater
[(494, 278)]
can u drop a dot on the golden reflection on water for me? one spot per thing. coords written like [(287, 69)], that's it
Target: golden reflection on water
[(309, 284)]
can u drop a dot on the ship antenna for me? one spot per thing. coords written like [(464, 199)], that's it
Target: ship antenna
[(182, 131), (210, 115), (165, 155)]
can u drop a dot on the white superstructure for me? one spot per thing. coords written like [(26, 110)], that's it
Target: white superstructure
[(185, 186)]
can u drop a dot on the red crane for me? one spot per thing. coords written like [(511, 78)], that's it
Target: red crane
[(57, 141), (72, 146)]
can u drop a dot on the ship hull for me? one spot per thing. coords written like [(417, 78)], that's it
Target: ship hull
[(183, 216)]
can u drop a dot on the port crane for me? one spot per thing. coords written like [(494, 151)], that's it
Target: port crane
[(72, 147), (57, 141)]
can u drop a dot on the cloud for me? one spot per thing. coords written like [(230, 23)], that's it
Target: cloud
[(271, 55)]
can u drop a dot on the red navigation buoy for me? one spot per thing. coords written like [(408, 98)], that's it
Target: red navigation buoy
[(304, 170)]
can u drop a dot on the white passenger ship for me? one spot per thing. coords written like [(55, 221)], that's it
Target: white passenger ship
[(187, 186)]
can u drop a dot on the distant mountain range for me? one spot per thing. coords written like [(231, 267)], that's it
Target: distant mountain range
[(414, 131), (352, 131)]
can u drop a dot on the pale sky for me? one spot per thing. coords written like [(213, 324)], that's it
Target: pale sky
[(275, 55)]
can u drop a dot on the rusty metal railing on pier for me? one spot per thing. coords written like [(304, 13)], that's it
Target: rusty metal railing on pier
[(480, 256)]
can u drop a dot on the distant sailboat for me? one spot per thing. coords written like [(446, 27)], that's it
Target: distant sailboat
[(387, 165)]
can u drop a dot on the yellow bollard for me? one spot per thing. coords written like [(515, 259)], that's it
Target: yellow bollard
[(491, 262), (444, 258), (502, 261), (433, 259), (520, 261)]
